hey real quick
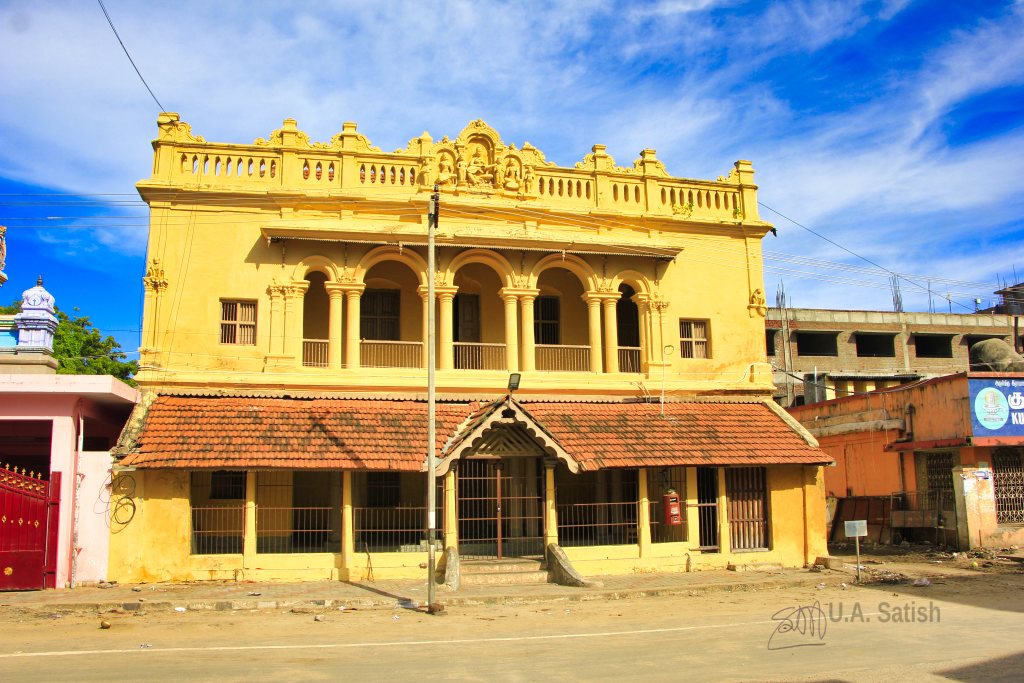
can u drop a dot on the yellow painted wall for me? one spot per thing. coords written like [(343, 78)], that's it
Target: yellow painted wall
[(155, 543), (232, 234)]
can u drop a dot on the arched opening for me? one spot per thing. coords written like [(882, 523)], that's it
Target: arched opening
[(628, 323), (478, 321), (391, 318), (560, 323), (315, 317)]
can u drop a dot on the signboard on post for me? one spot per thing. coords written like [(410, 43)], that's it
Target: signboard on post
[(856, 527)]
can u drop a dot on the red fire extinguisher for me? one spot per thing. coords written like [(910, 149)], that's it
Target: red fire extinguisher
[(673, 511)]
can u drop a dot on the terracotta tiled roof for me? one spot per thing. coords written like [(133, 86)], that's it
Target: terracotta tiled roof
[(695, 433), (233, 432), (230, 432)]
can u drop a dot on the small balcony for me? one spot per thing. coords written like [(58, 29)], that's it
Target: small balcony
[(314, 353), (629, 359), (475, 356), (390, 354), (563, 358)]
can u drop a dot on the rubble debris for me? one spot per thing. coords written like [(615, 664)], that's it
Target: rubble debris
[(922, 582)]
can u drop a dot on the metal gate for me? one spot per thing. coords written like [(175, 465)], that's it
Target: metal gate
[(500, 509), (29, 514)]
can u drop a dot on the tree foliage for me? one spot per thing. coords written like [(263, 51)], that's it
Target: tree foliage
[(81, 349)]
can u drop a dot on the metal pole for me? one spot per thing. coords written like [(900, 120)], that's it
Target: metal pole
[(856, 540), (432, 219)]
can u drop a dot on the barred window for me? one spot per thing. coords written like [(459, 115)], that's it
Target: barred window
[(383, 489), (238, 322), (546, 321), (693, 339), (227, 485), (379, 315)]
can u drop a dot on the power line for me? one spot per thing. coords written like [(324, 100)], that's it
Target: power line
[(111, 22)]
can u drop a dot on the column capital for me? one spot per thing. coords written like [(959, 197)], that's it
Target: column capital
[(522, 292), (335, 290), (593, 297)]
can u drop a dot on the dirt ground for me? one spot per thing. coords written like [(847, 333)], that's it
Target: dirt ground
[(963, 625)]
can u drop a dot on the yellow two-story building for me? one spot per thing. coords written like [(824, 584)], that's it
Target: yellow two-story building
[(283, 432)]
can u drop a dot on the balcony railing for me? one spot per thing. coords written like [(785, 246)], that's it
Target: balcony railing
[(589, 524), (297, 530), (392, 529), (563, 358), (629, 359), (314, 353), (474, 356), (390, 354), (217, 530)]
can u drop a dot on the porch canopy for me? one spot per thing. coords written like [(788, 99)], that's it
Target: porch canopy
[(206, 432)]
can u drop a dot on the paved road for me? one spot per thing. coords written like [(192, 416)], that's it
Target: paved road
[(957, 630)]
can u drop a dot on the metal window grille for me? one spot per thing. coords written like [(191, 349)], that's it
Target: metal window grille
[(1008, 482), (380, 314), (238, 322), (217, 527), (392, 529), (218, 530), (590, 524), (747, 492), (294, 513), (693, 339), (546, 320), (226, 484)]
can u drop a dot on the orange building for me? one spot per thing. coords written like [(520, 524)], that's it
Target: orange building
[(938, 460)]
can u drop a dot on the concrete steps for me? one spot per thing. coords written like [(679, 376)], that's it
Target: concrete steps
[(508, 572)]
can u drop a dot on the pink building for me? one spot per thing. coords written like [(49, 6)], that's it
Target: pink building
[(56, 432)]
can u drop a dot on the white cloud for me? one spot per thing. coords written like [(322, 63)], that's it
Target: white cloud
[(692, 78)]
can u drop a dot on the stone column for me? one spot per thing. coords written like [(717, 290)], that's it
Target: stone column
[(611, 335), (645, 338), (691, 510), (511, 329), (594, 319), (445, 341), (293, 319), (550, 509), (424, 296), (249, 535), (276, 293), (643, 514), (451, 513), (348, 529), (334, 488), (529, 357), (724, 538), (337, 294), (352, 297)]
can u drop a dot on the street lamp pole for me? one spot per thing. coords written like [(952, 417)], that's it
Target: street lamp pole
[(432, 220)]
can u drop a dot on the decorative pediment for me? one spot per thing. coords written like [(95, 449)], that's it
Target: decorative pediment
[(506, 429)]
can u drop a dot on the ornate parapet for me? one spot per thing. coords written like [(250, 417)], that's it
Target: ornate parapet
[(476, 162)]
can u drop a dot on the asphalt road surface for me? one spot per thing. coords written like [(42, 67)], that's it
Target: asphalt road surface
[(956, 630)]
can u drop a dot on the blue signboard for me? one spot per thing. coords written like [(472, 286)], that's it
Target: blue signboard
[(997, 406)]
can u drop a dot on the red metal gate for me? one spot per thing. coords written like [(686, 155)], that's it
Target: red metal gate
[(29, 514)]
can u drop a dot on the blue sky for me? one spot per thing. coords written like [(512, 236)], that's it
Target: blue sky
[(894, 128)]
